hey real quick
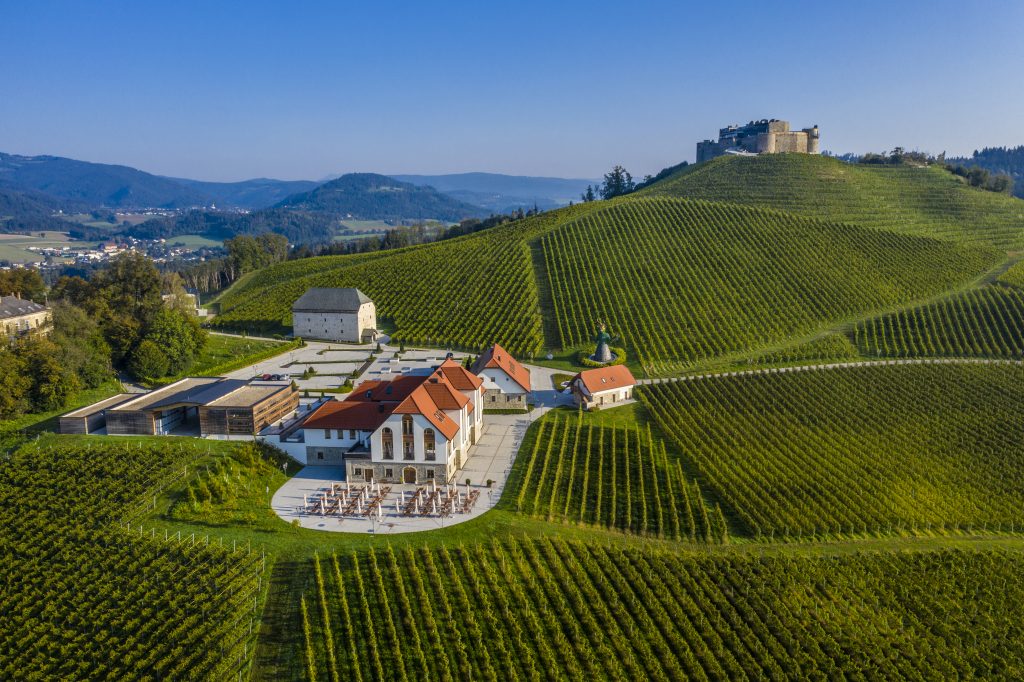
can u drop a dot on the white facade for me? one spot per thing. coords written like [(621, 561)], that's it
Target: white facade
[(348, 327), (496, 379)]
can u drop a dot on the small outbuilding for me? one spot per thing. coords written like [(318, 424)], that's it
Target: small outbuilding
[(346, 315), (506, 381), (602, 387)]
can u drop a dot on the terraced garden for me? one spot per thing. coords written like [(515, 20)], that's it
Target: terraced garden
[(854, 451)]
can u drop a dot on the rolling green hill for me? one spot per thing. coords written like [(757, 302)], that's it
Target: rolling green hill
[(923, 201)]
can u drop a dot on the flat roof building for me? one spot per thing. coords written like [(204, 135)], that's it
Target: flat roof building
[(213, 405)]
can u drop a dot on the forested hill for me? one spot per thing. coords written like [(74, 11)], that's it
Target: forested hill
[(300, 227), (255, 193), (998, 160), (95, 184), (368, 196)]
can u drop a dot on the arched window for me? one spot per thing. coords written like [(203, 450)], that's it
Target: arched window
[(408, 445), (388, 441), (428, 444)]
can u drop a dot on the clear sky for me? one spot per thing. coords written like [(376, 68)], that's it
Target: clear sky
[(224, 91)]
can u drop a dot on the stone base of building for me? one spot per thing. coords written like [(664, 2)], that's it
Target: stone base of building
[(496, 400), (413, 473)]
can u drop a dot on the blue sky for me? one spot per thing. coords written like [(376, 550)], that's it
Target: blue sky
[(226, 91)]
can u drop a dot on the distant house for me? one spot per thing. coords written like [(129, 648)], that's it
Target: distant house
[(602, 387), (19, 317), (506, 381), (335, 315), (411, 429)]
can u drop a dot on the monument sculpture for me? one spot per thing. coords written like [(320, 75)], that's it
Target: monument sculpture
[(603, 354)]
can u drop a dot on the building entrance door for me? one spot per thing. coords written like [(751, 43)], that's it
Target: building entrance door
[(368, 474), (409, 475)]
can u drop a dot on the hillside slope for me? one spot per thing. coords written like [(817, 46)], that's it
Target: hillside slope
[(924, 201), (681, 280), (95, 184), (368, 196), (678, 280)]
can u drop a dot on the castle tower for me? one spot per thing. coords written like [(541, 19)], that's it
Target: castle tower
[(813, 140)]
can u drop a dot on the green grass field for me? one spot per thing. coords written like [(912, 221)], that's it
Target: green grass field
[(195, 241), (14, 247)]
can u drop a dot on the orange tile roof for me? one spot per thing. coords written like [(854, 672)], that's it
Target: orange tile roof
[(420, 402), (606, 378), (348, 414), (460, 377), (497, 357)]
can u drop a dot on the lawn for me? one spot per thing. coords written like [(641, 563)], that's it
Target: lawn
[(223, 354)]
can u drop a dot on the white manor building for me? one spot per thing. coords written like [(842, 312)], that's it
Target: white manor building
[(412, 429), (335, 315)]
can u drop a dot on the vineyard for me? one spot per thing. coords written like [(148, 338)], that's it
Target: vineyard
[(85, 597), (921, 201), (468, 292), (984, 322), (882, 449), (554, 610), (682, 281), (569, 470), (1014, 275)]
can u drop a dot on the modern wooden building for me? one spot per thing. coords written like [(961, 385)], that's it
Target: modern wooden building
[(204, 406)]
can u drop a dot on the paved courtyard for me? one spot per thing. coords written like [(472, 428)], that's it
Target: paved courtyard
[(491, 458)]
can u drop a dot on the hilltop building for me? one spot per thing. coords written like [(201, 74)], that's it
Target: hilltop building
[(605, 386), (506, 381), (414, 428), (213, 406), (767, 136), (19, 317), (335, 315)]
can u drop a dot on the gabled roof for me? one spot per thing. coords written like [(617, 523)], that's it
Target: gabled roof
[(497, 357), (459, 377), (605, 378), (12, 306), (429, 395), (348, 414), (326, 300)]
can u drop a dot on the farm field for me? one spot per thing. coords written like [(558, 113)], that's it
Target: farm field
[(195, 241), (128, 603), (682, 281), (14, 247), (553, 610), (465, 293), (574, 471), (920, 448), (983, 322), (922, 201)]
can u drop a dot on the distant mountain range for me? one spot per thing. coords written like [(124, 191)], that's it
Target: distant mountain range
[(502, 193), (33, 189), (370, 196)]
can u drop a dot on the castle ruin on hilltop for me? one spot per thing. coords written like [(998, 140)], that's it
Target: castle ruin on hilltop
[(767, 136)]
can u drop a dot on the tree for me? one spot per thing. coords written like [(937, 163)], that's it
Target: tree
[(148, 362), (589, 194), (178, 336), (14, 384), (616, 183), (52, 384), (83, 349), (25, 283)]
